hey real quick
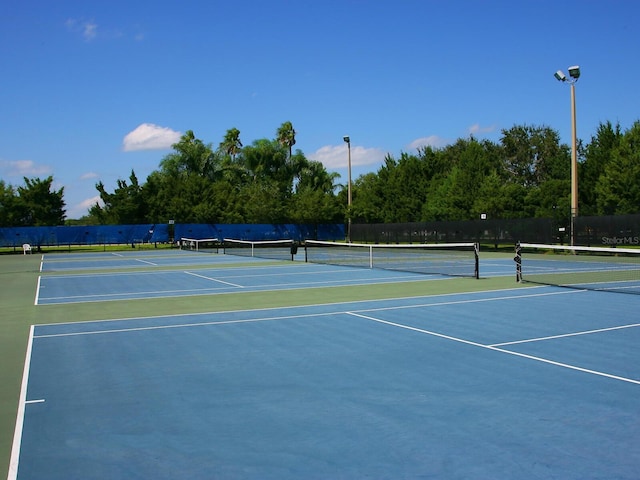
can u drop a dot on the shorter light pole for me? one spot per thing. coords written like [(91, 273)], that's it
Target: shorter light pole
[(348, 141), (574, 73)]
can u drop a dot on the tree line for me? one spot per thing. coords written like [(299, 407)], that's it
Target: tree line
[(35, 203), (526, 174)]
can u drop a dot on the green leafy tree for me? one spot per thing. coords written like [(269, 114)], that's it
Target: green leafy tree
[(534, 154), (286, 136), (311, 206), (38, 205), (191, 157), (598, 153), (126, 205), (367, 198), (260, 202), (266, 161), (231, 144), (314, 176), (8, 198), (618, 188)]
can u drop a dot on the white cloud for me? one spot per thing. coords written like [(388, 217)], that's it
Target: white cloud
[(81, 209), (476, 129), (336, 156), (150, 137), (88, 176), (87, 28), (89, 31), (23, 168), (431, 141)]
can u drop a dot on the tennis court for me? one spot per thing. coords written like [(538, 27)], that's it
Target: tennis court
[(432, 378)]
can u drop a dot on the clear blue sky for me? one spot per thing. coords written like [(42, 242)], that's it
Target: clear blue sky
[(90, 90)]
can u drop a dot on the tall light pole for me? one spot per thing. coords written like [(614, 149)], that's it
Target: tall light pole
[(574, 73), (348, 140)]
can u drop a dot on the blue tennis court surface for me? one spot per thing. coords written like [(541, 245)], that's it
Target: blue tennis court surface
[(155, 284), (135, 259), (527, 383), (180, 273)]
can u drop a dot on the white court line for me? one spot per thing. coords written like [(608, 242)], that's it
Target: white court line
[(213, 279), (145, 261), (117, 296), (57, 275), (495, 349), (35, 302), (196, 292), (189, 325), (40, 400), (313, 305), (478, 300), (349, 302), (17, 435), (281, 317), (575, 334)]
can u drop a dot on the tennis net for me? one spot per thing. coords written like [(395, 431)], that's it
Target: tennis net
[(451, 259), (587, 268), (209, 245), (270, 249)]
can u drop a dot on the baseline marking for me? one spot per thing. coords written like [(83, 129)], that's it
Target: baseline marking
[(496, 349)]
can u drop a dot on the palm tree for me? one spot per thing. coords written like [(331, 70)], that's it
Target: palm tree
[(231, 143), (286, 136)]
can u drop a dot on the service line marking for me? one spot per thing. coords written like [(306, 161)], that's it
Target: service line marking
[(214, 279), (147, 262), (496, 349), (564, 335)]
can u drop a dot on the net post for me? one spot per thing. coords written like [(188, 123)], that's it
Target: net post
[(518, 260), (370, 256), (476, 253)]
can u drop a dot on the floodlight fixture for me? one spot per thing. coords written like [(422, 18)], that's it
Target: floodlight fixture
[(560, 76), (574, 72), (346, 139)]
